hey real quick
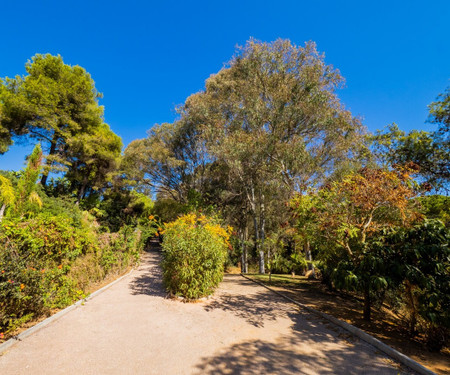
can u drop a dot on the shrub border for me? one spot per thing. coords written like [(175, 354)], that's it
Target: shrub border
[(21, 336), (386, 349)]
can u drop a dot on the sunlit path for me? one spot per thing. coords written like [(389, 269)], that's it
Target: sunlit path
[(133, 329)]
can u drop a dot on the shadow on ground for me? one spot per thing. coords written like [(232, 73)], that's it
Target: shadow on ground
[(149, 281), (255, 307), (260, 357), (312, 345)]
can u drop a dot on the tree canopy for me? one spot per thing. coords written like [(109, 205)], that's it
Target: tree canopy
[(53, 103)]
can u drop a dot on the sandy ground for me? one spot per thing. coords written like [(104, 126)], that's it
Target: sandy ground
[(131, 328)]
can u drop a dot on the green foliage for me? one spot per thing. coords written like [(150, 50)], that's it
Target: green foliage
[(419, 259), (53, 102), (62, 205), (94, 158), (436, 207), (426, 152), (57, 105), (171, 161), (440, 114), (169, 210), (49, 261), (35, 255), (7, 195), (26, 186), (348, 217), (121, 206), (195, 251)]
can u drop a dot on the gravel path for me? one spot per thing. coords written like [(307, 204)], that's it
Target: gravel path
[(131, 328)]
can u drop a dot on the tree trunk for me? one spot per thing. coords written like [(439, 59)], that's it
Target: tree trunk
[(81, 192), (51, 152), (262, 233), (2, 211), (257, 229), (309, 259), (259, 248), (413, 318), (367, 303), (244, 256)]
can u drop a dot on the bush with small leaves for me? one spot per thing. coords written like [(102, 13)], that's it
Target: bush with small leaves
[(195, 251)]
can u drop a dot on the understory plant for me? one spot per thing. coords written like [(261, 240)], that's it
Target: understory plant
[(195, 251), (48, 262)]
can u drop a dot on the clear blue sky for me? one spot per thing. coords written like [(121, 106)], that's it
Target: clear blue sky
[(147, 56)]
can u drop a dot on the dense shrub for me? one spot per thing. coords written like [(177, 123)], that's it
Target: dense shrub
[(420, 263), (169, 210), (195, 251), (47, 262)]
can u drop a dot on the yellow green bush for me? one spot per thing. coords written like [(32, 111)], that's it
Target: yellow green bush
[(46, 262), (194, 254)]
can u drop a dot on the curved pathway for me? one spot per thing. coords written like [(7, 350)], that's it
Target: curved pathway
[(131, 328)]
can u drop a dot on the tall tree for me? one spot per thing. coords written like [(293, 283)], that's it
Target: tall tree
[(171, 160), (273, 117), (425, 151), (429, 151), (52, 103), (93, 159), (440, 113)]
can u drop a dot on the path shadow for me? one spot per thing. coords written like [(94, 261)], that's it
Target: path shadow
[(313, 345), (262, 357), (149, 280), (255, 307)]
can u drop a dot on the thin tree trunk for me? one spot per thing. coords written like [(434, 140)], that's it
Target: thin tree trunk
[(244, 264), (258, 244), (309, 259), (262, 234), (51, 152), (246, 248), (257, 229), (81, 192), (2, 211)]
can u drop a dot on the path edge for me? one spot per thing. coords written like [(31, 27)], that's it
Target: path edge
[(400, 357), (21, 336)]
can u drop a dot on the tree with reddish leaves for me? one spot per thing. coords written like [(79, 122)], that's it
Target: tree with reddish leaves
[(350, 214)]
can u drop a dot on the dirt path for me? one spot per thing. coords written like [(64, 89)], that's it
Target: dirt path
[(132, 328)]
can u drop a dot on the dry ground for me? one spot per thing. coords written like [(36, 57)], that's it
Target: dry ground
[(385, 326)]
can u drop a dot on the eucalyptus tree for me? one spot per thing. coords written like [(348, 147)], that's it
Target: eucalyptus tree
[(171, 160), (52, 103), (273, 117)]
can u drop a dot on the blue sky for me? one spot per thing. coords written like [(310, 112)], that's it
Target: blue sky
[(146, 57)]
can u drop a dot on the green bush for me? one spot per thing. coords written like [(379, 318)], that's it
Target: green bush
[(421, 261), (46, 262), (195, 251), (35, 256)]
